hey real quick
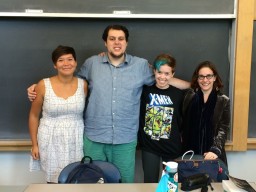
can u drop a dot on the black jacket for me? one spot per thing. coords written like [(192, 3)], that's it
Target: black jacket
[(221, 122)]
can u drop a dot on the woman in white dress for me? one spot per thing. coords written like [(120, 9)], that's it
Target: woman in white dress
[(57, 138)]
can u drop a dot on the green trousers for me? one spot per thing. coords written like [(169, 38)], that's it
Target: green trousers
[(121, 155)]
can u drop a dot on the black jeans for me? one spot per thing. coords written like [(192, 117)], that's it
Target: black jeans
[(151, 166)]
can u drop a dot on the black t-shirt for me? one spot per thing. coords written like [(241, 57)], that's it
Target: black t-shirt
[(160, 116)]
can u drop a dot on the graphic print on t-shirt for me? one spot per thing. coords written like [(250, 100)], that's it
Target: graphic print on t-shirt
[(158, 117)]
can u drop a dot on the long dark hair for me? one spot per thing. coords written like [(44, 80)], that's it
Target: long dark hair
[(217, 85)]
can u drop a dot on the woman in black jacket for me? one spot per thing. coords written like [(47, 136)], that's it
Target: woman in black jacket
[(206, 114)]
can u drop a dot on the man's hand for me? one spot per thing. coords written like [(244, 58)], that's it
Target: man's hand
[(102, 54), (31, 92)]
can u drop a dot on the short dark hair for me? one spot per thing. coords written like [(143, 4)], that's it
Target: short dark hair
[(115, 27), (62, 50), (217, 85), (164, 59)]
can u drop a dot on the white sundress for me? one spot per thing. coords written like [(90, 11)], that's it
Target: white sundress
[(60, 132)]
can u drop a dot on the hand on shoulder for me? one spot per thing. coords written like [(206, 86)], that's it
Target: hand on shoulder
[(31, 92)]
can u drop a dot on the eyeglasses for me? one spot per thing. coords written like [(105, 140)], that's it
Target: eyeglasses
[(209, 76)]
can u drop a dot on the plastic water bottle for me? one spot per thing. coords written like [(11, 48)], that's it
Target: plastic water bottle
[(172, 169)]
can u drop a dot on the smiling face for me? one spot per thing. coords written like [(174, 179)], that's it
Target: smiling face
[(116, 43), (66, 64), (206, 79), (163, 75)]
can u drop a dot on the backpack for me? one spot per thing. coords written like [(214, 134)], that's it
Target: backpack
[(86, 172)]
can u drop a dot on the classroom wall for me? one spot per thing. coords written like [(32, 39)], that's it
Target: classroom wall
[(14, 168)]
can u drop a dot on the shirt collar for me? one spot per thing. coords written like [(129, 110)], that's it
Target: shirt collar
[(126, 59)]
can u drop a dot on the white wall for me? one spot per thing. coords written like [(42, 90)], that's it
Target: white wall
[(14, 168)]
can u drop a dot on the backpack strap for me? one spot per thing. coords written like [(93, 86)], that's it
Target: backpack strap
[(77, 168), (73, 173)]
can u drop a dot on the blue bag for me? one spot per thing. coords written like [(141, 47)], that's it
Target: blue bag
[(197, 164), (86, 172)]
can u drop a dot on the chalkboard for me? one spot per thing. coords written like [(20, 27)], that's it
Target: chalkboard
[(27, 43), (135, 6), (252, 110)]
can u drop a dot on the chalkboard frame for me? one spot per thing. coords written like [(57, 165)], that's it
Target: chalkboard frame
[(122, 14), (252, 119), (19, 144), (131, 7)]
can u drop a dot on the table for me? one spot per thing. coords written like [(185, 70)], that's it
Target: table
[(12, 188), (132, 187)]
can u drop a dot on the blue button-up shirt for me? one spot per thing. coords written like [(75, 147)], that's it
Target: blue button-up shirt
[(112, 113)]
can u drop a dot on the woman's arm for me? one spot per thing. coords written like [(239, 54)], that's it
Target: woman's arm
[(34, 115), (180, 84), (222, 126)]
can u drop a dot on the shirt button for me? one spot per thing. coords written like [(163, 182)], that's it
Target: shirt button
[(113, 113), (114, 101), (114, 88)]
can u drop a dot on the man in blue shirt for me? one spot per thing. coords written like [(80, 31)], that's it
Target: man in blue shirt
[(111, 118), (112, 114)]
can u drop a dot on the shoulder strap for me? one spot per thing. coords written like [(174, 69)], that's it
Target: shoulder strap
[(77, 168), (74, 172)]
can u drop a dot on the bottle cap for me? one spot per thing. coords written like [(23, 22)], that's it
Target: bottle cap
[(171, 166)]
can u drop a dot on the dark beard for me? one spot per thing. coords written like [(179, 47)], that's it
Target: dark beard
[(116, 56)]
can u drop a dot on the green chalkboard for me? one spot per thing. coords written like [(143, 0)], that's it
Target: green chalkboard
[(27, 43)]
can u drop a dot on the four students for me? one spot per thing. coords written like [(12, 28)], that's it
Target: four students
[(112, 115)]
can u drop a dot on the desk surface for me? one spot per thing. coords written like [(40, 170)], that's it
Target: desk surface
[(14, 188), (135, 187)]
